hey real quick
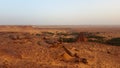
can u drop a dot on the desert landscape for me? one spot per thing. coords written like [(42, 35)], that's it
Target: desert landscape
[(59, 46)]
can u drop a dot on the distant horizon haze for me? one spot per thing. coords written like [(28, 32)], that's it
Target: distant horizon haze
[(59, 12)]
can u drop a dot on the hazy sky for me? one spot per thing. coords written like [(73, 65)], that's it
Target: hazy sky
[(60, 12)]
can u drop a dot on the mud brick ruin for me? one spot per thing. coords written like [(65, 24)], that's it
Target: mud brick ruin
[(82, 37)]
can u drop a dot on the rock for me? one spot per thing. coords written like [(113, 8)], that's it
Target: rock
[(84, 60), (67, 57), (69, 52)]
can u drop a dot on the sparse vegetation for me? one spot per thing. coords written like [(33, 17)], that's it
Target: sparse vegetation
[(97, 37), (74, 33), (38, 34), (50, 33), (114, 41), (61, 33), (94, 38), (68, 40)]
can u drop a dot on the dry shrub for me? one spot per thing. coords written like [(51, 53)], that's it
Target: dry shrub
[(114, 41)]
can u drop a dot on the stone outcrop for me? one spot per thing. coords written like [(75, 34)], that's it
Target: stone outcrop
[(72, 56)]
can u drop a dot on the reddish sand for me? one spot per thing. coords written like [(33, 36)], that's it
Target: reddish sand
[(20, 48)]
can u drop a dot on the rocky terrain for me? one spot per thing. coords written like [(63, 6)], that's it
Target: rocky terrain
[(32, 47)]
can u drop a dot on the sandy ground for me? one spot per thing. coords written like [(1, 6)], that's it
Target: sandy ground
[(27, 53)]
